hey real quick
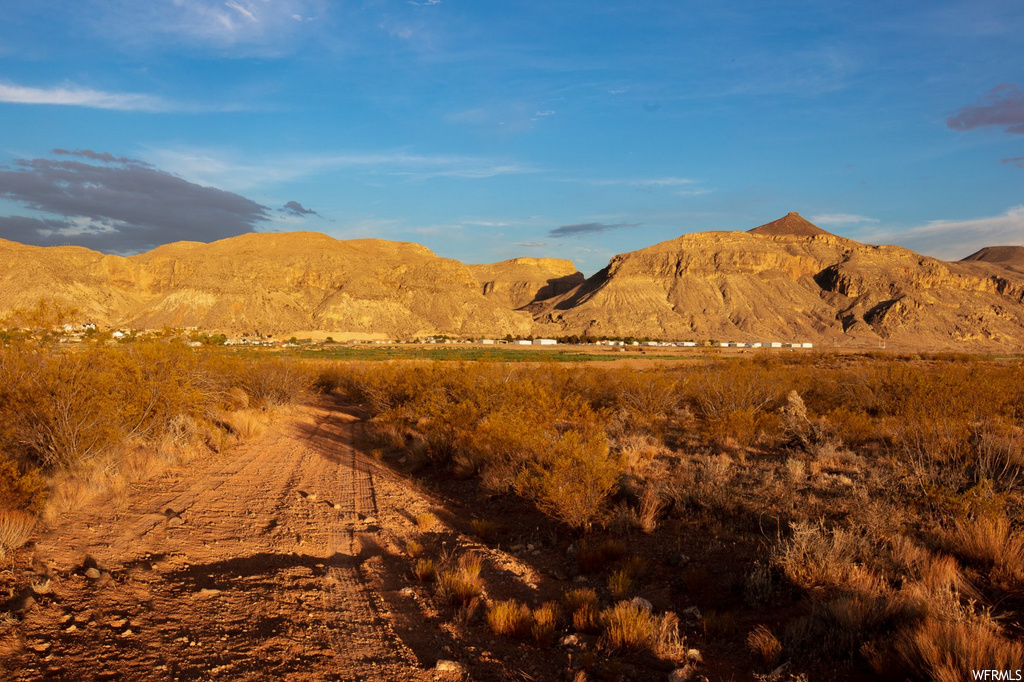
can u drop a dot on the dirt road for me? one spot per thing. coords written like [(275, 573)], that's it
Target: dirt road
[(269, 562)]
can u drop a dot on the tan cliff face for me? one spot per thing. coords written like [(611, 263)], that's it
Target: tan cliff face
[(272, 283), (787, 280), (521, 281), (791, 281)]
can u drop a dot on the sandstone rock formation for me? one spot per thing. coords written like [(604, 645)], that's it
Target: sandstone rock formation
[(271, 283), (518, 282), (789, 280)]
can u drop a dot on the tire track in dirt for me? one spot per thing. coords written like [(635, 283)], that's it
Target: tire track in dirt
[(263, 579)]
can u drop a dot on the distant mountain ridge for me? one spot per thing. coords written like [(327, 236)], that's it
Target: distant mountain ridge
[(787, 280)]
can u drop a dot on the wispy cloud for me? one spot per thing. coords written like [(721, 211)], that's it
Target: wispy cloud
[(227, 169), (76, 96), (242, 27), (583, 229), (954, 239), (642, 182), (244, 11), (841, 219), (531, 245), (1002, 107), (1017, 161)]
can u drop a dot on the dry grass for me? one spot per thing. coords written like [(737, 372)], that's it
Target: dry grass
[(948, 651), (545, 622), (651, 507), (620, 584), (581, 605), (424, 570), (247, 424), (628, 627), (988, 541), (413, 549), (426, 522), (765, 645), (15, 530), (486, 530), (510, 619), (460, 583)]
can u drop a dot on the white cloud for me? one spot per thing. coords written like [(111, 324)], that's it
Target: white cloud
[(840, 219), (225, 169), (75, 96), (261, 27), (548, 112), (955, 239), (639, 182), (244, 11)]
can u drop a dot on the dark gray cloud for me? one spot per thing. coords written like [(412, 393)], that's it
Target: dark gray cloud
[(297, 209), (123, 206), (106, 157), (1002, 107), (1017, 161), (588, 228)]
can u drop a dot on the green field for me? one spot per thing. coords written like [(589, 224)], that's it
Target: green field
[(464, 354)]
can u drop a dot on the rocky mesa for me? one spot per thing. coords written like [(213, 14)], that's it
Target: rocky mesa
[(787, 280), (791, 280)]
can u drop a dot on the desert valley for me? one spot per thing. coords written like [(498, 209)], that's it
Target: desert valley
[(179, 509), (536, 341)]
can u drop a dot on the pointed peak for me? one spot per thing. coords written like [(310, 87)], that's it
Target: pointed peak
[(791, 225)]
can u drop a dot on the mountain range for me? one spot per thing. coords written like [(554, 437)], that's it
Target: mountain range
[(787, 280)]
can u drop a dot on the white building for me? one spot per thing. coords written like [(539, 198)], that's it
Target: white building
[(487, 342), (545, 342), (806, 345), (523, 342)]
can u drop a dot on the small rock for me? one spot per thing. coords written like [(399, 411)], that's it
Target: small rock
[(447, 666), (570, 640), (407, 592), (678, 559), (694, 655), (337, 505), (92, 573), (41, 647), (580, 579), (71, 628), (65, 618), (118, 623), (175, 521), (369, 520), (692, 615), (312, 497), (27, 603), (127, 633), (684, 674), (207, 592), (642, 604), (403, 459), (531, 546)]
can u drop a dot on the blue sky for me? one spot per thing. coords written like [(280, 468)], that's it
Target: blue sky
[(490, 130)]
